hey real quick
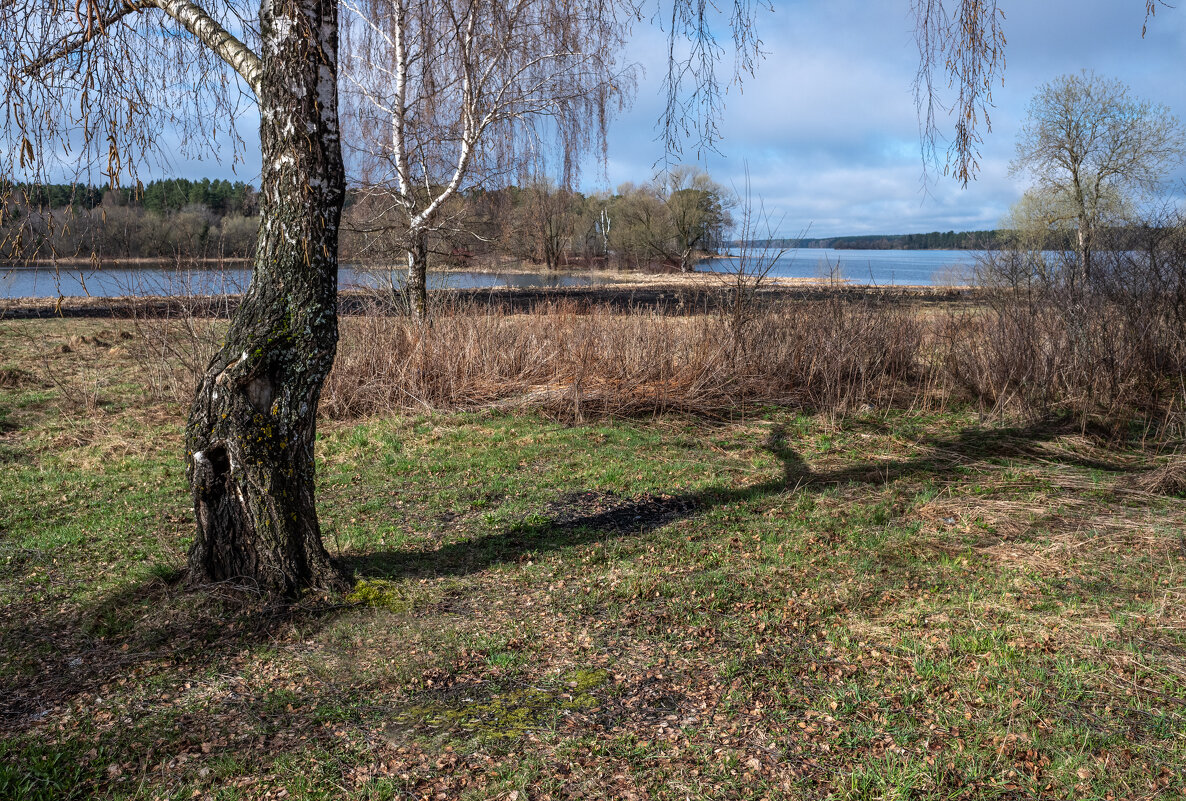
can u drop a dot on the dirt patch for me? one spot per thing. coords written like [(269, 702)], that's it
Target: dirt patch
[(608, 511)]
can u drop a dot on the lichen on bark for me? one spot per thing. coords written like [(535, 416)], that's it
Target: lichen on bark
[(252, 427)]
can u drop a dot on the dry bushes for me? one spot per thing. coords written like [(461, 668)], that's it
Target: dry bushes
[(173, 350), (1107, 344), (1027, 355), (1091, 361), (572, 364), (1110, 354)]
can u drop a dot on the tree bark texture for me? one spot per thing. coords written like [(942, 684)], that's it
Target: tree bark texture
[(251, 431), (417, 279)]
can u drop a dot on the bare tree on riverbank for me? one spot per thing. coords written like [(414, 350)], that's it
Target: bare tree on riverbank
[(1095, 152), (446, 95)]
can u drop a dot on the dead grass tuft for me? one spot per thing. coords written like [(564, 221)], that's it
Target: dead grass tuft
[(16, 378), (1167, 479)]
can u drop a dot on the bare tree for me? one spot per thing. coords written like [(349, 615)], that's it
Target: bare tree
[(965, 40), (757, 256), (452, 94), (640, 230), (105, 78), (699, 210), (546, 221), (671, 219), (1094, 150)]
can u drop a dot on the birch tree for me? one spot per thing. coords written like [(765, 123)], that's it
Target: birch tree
[(446, 95), (99, 82)]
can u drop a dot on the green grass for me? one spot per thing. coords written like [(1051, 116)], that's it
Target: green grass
[(877, 607)]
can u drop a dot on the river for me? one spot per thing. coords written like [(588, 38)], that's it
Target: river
[(881, 267)]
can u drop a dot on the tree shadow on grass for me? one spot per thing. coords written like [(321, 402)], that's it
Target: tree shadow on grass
[(60, 740), (587, 517), (155, 628), (52, 655)]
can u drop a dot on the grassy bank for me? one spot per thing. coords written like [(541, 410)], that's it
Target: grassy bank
[(870, 605)]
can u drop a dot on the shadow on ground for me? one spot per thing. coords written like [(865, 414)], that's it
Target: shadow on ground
[(157, 628), (53, 655), (581, 518)]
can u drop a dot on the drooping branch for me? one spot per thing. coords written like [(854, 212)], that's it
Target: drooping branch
[(235, 53), (73, 42), (968, 43), (188, 14)]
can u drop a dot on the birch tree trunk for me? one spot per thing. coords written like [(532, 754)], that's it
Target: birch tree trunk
[(417, 279), (250, 436)]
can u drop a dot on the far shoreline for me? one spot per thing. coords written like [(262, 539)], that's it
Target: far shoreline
[(685, 298), (495, 265)]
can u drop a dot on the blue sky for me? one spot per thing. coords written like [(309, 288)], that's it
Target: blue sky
[(828, 127)]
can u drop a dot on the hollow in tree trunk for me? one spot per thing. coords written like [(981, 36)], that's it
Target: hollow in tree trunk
[(251, 430)]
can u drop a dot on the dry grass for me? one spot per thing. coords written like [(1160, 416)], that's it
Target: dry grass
[(1094, 357), (571, 364), (1008, 357), (1167, 479)]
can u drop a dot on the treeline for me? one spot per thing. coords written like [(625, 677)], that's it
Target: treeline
[(175, 218), (220, 196), (935, 240), (1121, 238), (666, 224)]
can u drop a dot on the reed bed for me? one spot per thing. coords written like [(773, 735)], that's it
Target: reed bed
[(1103, 364), (575, 363)]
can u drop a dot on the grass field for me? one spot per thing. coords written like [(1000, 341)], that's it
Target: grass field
[(885, 605)]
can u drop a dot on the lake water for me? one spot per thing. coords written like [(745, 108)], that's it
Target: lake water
[(881, 267), (167, 280)]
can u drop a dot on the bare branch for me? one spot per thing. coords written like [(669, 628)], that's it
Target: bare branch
[(72, 42), (237, 55), (969, 46), (188, 14)]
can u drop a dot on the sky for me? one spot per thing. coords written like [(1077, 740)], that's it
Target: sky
[(827, 126)]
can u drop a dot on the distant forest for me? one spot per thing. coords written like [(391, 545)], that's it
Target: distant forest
[(936, 240), (180, 218), (160, 220), (1128, 238), (653, 226)]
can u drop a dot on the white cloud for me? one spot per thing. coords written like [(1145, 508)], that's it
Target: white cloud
[(828, 127)]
